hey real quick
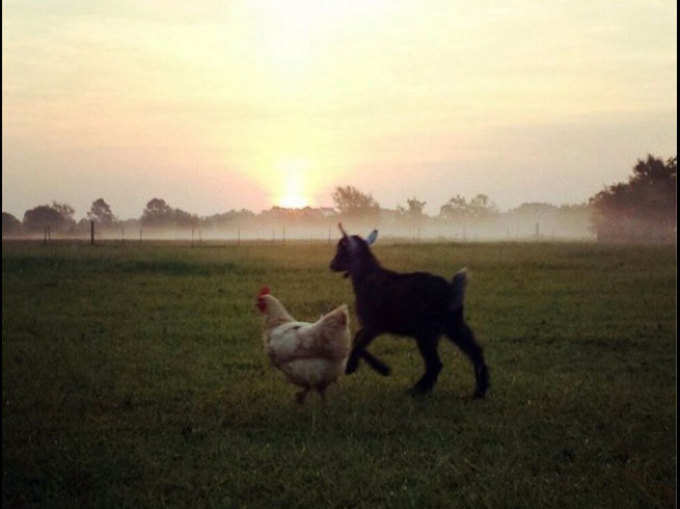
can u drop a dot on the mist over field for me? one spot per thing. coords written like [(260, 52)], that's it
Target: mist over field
[(502, 228), (554, 226)]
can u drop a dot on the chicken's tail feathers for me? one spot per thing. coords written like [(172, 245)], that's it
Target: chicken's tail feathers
[(338, 317)]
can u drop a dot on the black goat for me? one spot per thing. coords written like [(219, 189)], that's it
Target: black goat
[(415, 304)]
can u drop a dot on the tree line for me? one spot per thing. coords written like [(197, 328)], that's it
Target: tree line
[(642, 209), (350, 205)]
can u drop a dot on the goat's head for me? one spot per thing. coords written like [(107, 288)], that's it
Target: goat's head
[(352, 251)]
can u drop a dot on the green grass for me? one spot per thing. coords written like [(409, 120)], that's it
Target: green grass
[(133, 376)]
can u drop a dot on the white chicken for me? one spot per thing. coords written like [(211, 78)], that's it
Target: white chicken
[(312, 355)]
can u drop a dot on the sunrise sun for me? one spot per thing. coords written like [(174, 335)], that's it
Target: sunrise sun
[(294, 190)]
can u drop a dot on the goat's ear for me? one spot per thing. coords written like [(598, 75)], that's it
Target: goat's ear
[(372, 237)]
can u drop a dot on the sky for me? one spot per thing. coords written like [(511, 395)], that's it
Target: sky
[(219, 105)]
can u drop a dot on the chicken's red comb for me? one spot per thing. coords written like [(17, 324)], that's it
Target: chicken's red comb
[(263, 291)]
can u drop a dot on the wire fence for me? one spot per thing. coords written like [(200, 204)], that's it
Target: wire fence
[(198, 236)]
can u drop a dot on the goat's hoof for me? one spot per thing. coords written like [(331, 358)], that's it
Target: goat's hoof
[(385, 372), (482, 381)]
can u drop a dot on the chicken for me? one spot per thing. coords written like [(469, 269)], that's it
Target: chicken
[(311, 355)]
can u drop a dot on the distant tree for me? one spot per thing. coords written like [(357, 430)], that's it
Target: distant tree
[(40, 217), (156, 213), (412, 215), (100, 212), (454, 209), (159, 214), (290, 215), (480, 206), (58, 216), (415, 208), (83, 225), (458, 208), (244, 213), (311, 214), (350, 201), (534, 209), (10, 224), (227, 218), (644, 208), (184, 219), (65, 210)]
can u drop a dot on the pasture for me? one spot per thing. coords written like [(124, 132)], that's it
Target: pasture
[(133, 376)]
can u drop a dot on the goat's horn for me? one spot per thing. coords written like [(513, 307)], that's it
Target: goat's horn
[(344, 233)]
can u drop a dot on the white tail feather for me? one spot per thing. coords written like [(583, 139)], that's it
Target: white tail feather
[(458, 283)]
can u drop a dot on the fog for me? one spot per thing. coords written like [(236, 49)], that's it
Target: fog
[(552, 224)]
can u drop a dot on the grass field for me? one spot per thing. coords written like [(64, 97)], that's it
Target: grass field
[(133, 376)]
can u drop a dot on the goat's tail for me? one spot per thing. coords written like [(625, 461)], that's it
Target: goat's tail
[(458, 284)]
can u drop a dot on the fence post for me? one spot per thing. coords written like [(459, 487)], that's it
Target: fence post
[(140, 235), (92, 233)]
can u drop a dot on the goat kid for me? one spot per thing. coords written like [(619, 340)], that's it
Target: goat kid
[(417, 304)]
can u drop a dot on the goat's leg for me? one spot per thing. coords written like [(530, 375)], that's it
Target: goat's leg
[(375, 363), (427, 345), (362, 339), (461, 334), (321, 389)]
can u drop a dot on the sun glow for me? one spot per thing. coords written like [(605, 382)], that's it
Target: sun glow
[(293, 201), (294, 183)]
